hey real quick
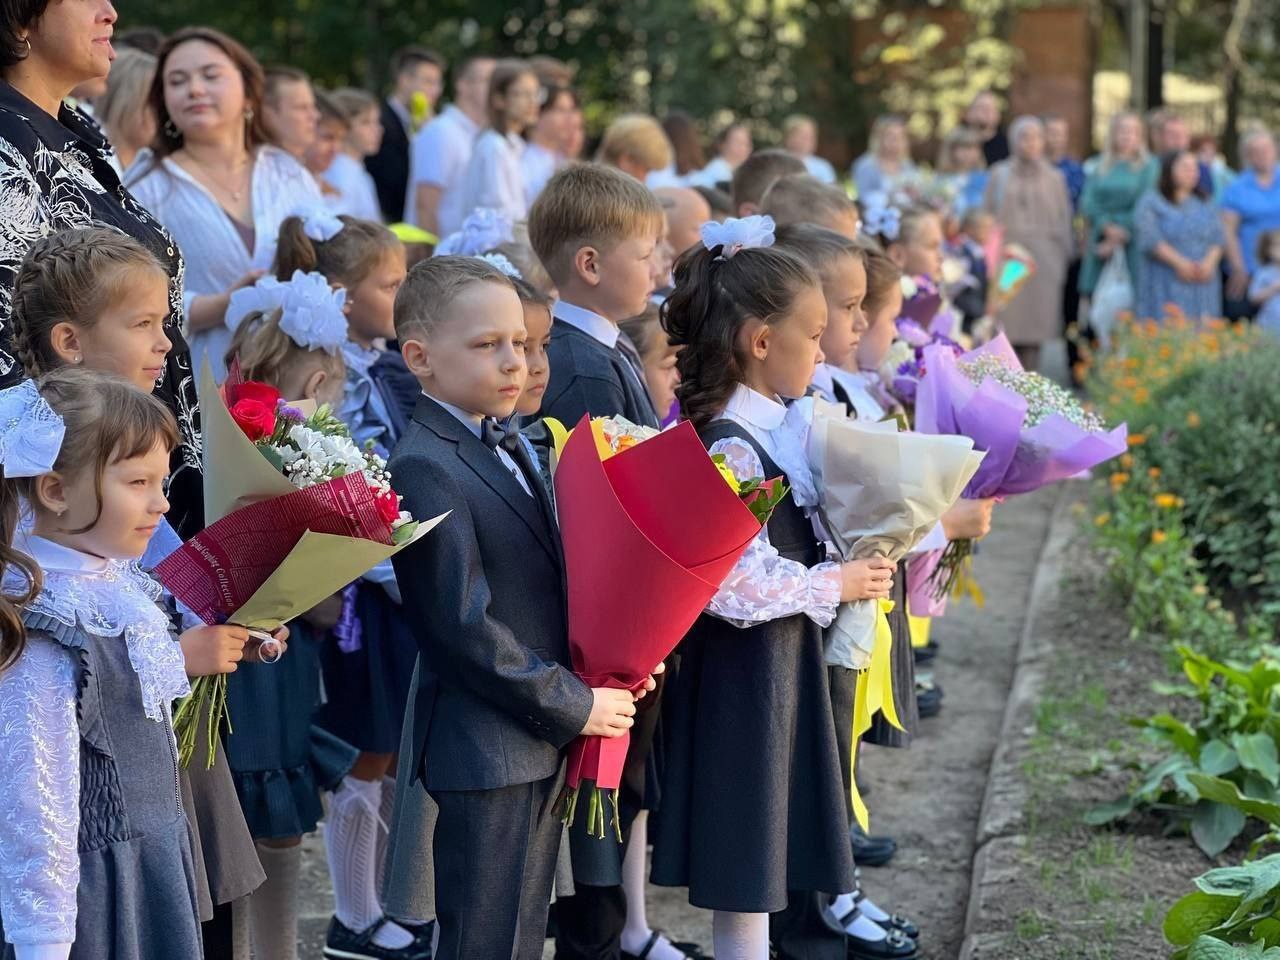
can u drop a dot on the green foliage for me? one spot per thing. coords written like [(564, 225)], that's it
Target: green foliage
[(1224, 470), (1223, 767), (1230, 906)]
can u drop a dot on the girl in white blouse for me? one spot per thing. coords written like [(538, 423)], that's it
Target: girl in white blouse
[(357, 195), (494, 178), (212, 181)]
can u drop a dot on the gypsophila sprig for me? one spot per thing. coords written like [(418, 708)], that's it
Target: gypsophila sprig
[(1044, 397)]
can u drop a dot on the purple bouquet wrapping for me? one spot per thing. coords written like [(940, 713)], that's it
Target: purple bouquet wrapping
[(1033, 432)]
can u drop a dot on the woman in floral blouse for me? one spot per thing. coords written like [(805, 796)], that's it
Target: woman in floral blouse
[(56, 173)]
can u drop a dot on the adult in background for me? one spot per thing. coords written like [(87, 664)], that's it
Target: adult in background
[(548, 140), (733, 146), (441, 151), (1250, 207), (1112, 189), (1028, 198), (213, 180), (290, 114), (1180, 238), (636, 144), (688, 157), (1169, 133), (56, 173), (887, 163), (800, 136), (960, 163), (418, 77), (123, 112), (983, 116), (1057, 138)]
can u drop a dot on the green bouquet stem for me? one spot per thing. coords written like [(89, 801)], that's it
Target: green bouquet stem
[(597, 800), (208, 695), (947, 573)]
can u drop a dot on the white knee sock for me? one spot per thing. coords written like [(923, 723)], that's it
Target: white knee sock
[(636, 934), (861, 926), (386, 807), (740, 936), (241, 941), (351, 841), (274, 905)]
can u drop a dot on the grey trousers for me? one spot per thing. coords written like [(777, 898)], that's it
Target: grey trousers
[(495, 855)]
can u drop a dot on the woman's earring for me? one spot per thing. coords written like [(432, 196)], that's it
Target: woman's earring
[(27, 41), (248, 114), (171, 130), (77, 359)]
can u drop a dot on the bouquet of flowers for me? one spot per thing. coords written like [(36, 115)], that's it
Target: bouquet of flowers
[(297, 511), (1033, 431), (630, 545), (882, 492)]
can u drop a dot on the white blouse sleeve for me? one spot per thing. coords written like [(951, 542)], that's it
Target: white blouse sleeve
[(763, 585), (39, 800)]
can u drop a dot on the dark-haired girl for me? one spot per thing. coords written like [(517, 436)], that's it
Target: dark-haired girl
[(753, 812)]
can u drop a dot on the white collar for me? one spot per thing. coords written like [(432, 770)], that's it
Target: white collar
[(459, 117), (824, 380), (589, 323), (749, 407), (54, 557), (469, 420)]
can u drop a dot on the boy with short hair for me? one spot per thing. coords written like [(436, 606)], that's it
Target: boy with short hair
[(596, 230), (497, 702), (802, 199), (759, 172)]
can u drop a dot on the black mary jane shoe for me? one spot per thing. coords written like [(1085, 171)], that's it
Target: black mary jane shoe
[(928, 699), (895, 946), (691, 950), (423, 935), (895, 922), (869, 851), (925, 654), (343, 943)]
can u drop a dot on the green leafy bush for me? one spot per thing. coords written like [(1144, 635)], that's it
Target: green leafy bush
[(1230, 906)]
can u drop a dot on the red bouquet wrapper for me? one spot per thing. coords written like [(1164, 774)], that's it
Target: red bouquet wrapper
[(649, 535)]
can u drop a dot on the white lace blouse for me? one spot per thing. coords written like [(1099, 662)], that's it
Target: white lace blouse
[(40, 736), (764, 585)]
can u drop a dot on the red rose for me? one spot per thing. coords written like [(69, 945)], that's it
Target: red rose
[(388, 506), (266, 395), (255, 418)]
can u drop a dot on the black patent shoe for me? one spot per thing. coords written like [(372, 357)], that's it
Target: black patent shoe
[(928, 699), (869, 851), (343, 943)]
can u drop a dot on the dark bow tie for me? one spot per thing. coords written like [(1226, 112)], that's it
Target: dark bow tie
[(494, 434)]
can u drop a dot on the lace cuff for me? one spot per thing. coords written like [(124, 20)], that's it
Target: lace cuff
[(39, 797), (42, 951), (764, 585)]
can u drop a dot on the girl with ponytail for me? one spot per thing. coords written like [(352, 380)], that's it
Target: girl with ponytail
[(753, 817)]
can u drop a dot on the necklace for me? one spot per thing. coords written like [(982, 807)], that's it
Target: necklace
[(235, 192)]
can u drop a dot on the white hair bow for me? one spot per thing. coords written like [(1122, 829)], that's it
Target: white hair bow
[(312, 312), (734, 235), (483, 230), (502, 264), (263, 297), (321, 226), (31, 432), (880, 219)]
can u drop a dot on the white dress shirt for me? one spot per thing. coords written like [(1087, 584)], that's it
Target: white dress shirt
[(215, 254), (819, 169), (538, 165), (357, 196), (472, 422), (440, 153), (589, 323), (494, 178)]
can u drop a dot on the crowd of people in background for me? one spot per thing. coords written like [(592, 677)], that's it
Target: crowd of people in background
[(226, 179)]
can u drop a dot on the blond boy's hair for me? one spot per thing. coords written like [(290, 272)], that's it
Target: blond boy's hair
[(589, 205), (636, 137), (426, 297), (805, 199)]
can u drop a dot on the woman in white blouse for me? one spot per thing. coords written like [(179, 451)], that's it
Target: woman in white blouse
[(213, 182), (494, 178)]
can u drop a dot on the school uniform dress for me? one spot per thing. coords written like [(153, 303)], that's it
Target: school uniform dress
[(219, 250), (753, 808), (366, 678), (96, 859), (496, 703)]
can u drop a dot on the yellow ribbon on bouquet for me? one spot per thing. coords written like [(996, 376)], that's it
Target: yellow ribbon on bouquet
[(873, 694)]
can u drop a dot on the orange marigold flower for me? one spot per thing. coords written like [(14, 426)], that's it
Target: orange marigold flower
[(1166, 501), (1137, 439), (1119, 479), (1126, 460), (1154, 473), (1158, 536), (1101, 520), (1193, 419)]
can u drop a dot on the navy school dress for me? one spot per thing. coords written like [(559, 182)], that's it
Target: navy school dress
[(137, 894), (753, 803), (280, 759)]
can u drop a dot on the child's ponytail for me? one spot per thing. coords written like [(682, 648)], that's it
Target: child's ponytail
[(344, 249), (714, 296), (294, 249)]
